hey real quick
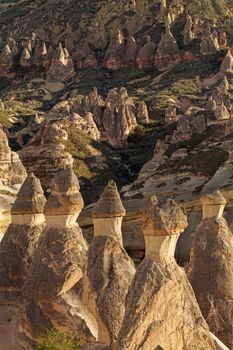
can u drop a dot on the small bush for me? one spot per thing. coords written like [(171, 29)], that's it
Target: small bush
[(55, 340)]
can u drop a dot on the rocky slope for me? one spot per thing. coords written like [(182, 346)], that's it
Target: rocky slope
[(64, 76)]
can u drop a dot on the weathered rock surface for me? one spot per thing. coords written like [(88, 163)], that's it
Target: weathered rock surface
[(61, 68), (109, 269), (115, 51), (212, 247), (119, 116), (168, 53), (142, 113), (12, 175), (58, 263), (21, 238), (160, 299), (45, 154)]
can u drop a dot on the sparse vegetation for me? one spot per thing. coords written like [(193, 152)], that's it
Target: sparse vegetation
[(55, 340)]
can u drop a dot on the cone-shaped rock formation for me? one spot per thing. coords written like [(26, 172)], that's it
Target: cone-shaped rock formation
[(161, 310)]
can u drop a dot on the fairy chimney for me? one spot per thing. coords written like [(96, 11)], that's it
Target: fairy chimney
[(168, 53), (108, 213), (21, 238), (114, 56), (213, 286), (61, 67), (142, 113), (130, 53), (6, 58), (109, 270), (188, 30), (145, 57), (25, 58), (227, 63), (161, 310), (65, 202), (163, 223), (61, 256)]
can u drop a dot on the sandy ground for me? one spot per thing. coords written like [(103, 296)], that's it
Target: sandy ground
[(7, 340)]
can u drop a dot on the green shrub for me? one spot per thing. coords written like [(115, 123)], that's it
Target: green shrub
[(55, 340)]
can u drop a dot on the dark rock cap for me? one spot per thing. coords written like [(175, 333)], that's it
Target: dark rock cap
[(109, 204), (30, 198), (163, 218), (65, 198)]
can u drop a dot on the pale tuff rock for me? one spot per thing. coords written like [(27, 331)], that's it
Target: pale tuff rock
[(188, 30), (45, 154), (160, 301), (90, 62), (99, 37), (86, 124), (92, 103), (224, 85), (158, 157), (227, 63), (188, 126), (13, 46), (25, 59), (12, 175), (119, 117), (213, 205), (223, 39), (142, 113), (221, 113), (115, 51), (40, 53), (145, 57), (65, 200), (19, 242), (58, 263), (209, 43), (130, 54), (163, 222), (171, 115), (61, 68), (168, 53), (109, 269), (48, 58), (212, 247), (6, 58)]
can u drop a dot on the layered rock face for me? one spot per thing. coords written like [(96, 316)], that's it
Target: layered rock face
[(168, 53), (59, 260), (213, 286), (12, 175), (161, 310), (45, 154), (109, 269)]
